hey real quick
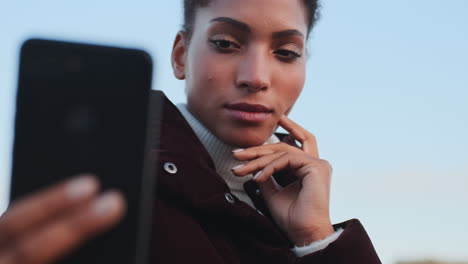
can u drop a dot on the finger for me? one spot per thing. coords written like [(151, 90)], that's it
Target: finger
[(269, 188), (255, 165), (35, 209), (307, 139), (259, 151), (287, 194), (58, 238), (291, 160)]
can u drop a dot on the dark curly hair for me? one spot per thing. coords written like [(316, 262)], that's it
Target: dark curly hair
[(190, 8)]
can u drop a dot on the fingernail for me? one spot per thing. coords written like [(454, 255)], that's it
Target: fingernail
[(106, 204), (81, 187), (238, 166), (257, 175), (237, 150)]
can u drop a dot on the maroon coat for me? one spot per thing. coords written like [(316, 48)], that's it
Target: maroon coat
[(198, 220)]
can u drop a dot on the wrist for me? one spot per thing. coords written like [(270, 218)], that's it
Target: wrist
[(310, 235)]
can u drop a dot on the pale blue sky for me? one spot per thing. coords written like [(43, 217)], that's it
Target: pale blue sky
[(386, 96)]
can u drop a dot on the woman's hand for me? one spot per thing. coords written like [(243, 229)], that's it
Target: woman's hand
[(44, 226), (302, 208)]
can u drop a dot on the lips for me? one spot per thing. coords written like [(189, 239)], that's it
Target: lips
[(248, 113), (254, 108)]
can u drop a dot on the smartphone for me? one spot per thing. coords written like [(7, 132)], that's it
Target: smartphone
[(84, 109)]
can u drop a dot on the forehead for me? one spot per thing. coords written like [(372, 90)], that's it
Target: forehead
[(269, 15)]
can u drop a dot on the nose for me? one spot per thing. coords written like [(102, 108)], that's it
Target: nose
[(253, 73)]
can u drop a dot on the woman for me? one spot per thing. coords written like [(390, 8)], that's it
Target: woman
[(230, 190)]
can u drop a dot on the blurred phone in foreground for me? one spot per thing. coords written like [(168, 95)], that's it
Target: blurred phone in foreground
[(84, 109)]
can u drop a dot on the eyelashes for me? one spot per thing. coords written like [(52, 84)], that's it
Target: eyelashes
[(289, 54), (222, 44), (225, 44)]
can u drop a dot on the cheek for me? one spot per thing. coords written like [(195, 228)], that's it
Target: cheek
[(208, 73), (207, 83), (290, 87)]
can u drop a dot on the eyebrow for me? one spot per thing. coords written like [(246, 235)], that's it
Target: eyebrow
[(287, 33), (240, 25), (244, 27)]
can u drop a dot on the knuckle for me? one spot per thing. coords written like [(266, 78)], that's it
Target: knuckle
[(255, 153), (310, 135), (326, 164), (258, 152), (319, 167), (302, 137), (312, 169)]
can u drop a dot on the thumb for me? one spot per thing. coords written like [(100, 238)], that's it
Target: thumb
[(269, 188)]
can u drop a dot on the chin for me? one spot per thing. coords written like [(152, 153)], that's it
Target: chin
[(244, 139)]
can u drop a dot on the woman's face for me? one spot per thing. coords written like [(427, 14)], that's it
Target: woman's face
[(244, 66)]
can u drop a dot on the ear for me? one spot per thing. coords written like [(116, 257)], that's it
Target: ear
[(179, 52)]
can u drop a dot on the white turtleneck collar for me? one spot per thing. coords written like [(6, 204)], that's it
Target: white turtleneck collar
[(221, 154)]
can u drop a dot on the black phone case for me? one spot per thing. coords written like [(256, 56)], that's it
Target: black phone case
[(84, 109)]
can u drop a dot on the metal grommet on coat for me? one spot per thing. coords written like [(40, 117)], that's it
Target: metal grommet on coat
[(229, 198), (170, 167), (258, 192)]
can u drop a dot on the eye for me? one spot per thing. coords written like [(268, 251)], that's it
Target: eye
[(288, 55), (223, 44)]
